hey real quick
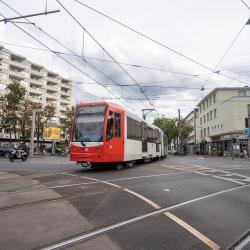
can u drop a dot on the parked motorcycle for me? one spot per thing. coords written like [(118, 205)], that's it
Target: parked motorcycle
[(18, 154)]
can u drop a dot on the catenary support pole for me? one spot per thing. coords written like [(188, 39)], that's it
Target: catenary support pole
[(179, 131), (32, 133)]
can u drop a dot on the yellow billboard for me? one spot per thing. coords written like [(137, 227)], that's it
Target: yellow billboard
[(52, 133)]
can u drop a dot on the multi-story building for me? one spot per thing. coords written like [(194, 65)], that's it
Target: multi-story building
[(220, 120), (42, 85), (190, 141)]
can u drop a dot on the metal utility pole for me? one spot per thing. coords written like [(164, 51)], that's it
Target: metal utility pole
[(32, 133), (179, 131)]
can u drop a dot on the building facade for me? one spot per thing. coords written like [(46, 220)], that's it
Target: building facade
[(219, 122), (42, 85)]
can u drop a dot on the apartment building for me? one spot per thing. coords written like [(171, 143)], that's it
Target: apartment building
[(42, 85), (222, 115)]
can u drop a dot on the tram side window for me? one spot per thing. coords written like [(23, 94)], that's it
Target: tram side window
[(110, 124), (134, 129), (150, 135), (138, 130), (117, 125), (130, 128)]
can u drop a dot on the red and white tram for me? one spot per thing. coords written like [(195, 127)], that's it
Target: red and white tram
[(104, 132)]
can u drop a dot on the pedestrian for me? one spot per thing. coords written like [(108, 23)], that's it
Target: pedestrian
[(245, 154)]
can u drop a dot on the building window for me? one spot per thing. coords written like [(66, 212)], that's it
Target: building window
[(210, 101), (218, 128), (248, 109), (207, 103), (204, 132), (242, 93), (201, 121), (211, 115), (221, 126), (203, 105), (207, 117), (214, 97), (215, 114), (208, 131), (201, 134), (213, 129), (204, 119)]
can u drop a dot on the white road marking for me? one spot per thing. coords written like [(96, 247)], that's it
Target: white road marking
[(136, 219), (229, 179), (193, 231), (166, 190)]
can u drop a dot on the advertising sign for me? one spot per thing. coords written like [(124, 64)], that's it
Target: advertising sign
[(52, 133), (246, 132)]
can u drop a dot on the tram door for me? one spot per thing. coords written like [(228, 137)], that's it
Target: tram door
[(144, 138), (114, 135)]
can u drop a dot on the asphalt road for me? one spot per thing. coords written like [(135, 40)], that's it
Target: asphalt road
[(176, 203)]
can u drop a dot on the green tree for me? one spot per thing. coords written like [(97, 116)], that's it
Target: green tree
[(168, 126), (10, 104), (66, 123), (25, 114), (43, 115), (185, 129)]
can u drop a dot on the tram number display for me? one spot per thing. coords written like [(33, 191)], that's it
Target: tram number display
[(91, 109)]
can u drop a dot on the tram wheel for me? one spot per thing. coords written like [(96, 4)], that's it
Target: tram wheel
[(130, 164), (86, 164), (118, 166)]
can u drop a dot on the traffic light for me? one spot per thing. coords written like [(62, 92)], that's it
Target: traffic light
[(234, 140)]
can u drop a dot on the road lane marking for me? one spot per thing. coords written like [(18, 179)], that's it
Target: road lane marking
[(135, 219), (229, 179), (143, 198), (166, 190), (193, 231)]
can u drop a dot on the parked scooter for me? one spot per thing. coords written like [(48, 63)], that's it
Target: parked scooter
[(18, 154)]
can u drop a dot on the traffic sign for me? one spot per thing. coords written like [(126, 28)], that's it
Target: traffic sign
[(246, 132)]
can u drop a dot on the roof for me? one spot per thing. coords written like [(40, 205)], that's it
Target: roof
[(217, 89)]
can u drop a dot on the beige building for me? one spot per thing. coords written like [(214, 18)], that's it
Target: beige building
[(221, 117), (42, 85)]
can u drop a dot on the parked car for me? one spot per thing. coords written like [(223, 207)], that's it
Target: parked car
[(6, 151)]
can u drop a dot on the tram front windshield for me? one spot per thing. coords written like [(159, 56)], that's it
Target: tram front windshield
[(89, 123)]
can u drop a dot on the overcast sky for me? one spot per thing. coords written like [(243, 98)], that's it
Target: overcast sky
[(201, 30)]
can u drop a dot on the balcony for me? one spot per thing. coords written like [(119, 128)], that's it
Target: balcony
[(36, 81), (52, 79), (34, 90), (17, 64), (65, 94), (63, 108), (52, 95), (53, 88), (36, 73), (62, 116), (65, 100), (18, 75), (51, 101), (67, 86)]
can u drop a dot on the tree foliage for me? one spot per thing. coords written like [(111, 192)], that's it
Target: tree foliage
[(170, 127), (66, 123), (16, 112), (9, 106)]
